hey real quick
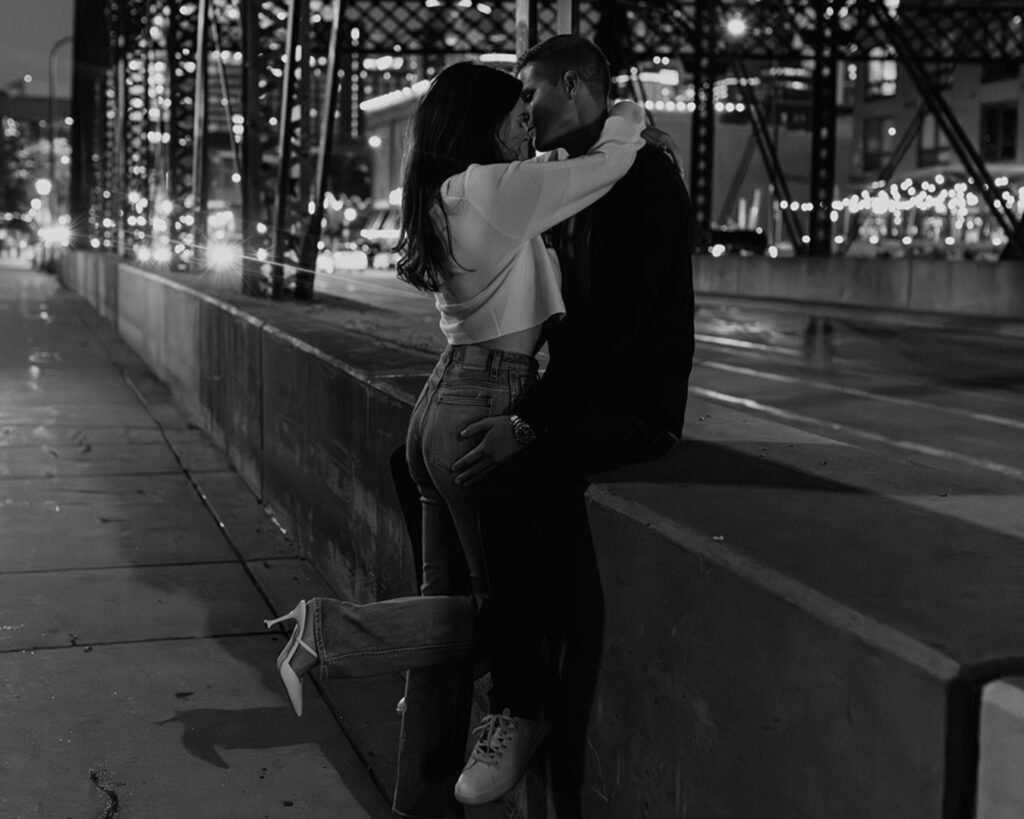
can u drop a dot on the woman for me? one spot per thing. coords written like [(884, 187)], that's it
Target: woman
[(472, 217)]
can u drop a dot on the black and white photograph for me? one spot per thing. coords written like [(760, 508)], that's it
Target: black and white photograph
[(511, 409)]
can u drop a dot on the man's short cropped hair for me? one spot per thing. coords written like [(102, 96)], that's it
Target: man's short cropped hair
[(565, 52)]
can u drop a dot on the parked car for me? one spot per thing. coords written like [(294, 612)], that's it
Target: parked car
[(379, 236)]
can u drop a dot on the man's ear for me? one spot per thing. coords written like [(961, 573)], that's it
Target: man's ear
[(571, 83)]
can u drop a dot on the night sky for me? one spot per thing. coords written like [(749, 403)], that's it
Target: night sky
[(28, 30)]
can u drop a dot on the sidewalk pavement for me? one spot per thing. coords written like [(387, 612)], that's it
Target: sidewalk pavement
[(135, 569)]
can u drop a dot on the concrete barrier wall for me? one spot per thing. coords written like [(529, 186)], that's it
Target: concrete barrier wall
[(328, 435), (976, 289), (229, 385), (721, 698), (310, 433), (964, 288), (207, 352), (791, 661), (1001, 763), (94, 277), (794, 627)]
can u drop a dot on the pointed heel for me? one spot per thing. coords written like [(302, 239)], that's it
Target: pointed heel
[(292, 682), (292, 615)]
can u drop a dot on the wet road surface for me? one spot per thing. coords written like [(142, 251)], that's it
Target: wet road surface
[(946, 393)]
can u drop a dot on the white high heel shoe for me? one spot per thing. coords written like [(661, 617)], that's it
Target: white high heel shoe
[(292, 681)]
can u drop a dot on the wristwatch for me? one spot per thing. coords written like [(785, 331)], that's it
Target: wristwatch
[(522, 431)]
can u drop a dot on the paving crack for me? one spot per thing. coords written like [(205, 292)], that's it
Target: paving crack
[(99, 777)]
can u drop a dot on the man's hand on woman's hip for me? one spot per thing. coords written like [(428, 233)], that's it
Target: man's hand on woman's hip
[(497, 445)]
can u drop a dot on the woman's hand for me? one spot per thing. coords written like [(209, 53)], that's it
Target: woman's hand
[(660, 139), (628, 110)]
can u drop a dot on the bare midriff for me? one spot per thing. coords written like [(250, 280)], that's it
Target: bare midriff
[(525, 342)]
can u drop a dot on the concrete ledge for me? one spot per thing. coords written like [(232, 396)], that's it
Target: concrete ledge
[(1001, 762), (794, 628)]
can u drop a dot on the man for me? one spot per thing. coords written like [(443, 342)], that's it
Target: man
[(613, 393)]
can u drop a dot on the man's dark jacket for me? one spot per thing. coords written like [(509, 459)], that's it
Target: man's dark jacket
[(620, 360)]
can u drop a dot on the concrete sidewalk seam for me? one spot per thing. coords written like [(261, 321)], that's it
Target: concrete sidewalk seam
[(247, 635), (119, 566)]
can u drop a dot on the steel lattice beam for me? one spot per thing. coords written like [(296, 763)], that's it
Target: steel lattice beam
[(769, 153), (89, 111), (281, 154), (311, 238), (823, 127), (108, 202), (785, 30), (292, 172), (182, 56), (135, 217), (263, 26), (264, 23), (702, 142), (970, 157)]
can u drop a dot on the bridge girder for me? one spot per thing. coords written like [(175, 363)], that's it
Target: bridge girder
[(151, 142)]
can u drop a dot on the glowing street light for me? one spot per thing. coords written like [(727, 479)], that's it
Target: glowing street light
[(736, 26), (223, 255)]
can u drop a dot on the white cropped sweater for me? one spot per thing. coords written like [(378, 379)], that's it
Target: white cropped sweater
[(504, 279)]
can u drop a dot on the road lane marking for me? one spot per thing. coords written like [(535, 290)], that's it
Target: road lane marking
[(910, 446), (854, 391), (722, 341)]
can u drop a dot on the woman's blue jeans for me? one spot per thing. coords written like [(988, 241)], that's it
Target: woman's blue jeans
[(472, 599)]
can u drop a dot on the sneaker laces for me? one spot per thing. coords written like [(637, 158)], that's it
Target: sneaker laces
[(494, 736)]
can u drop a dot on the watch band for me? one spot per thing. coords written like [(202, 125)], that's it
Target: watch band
[(523, 433)]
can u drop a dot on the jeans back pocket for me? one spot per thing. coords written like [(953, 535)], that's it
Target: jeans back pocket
[(454, 410)]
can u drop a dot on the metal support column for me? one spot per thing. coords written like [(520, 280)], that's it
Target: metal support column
[(567, 20), (351, 88), (135, 217), (181, 77), (769, 152), (311, 238), (88, 111), (116, 183), (973, 162), (703, 128), (108, 200), (252, 151), (200, 180), (292, 119), (823, 129), (526, 26)]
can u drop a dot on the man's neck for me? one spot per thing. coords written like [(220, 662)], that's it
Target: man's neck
[(581, 140)]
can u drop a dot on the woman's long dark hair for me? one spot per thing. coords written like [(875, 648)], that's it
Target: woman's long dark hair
[(454, 127)]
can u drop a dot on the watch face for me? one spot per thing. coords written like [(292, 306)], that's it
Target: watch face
[(522, 431)]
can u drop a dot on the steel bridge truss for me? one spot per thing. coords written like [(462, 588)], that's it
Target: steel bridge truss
[(269, 84)]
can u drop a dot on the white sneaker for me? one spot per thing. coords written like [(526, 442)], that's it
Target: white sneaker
[(504, 747)]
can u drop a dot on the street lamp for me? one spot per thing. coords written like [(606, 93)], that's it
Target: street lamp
[(736, 26)]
